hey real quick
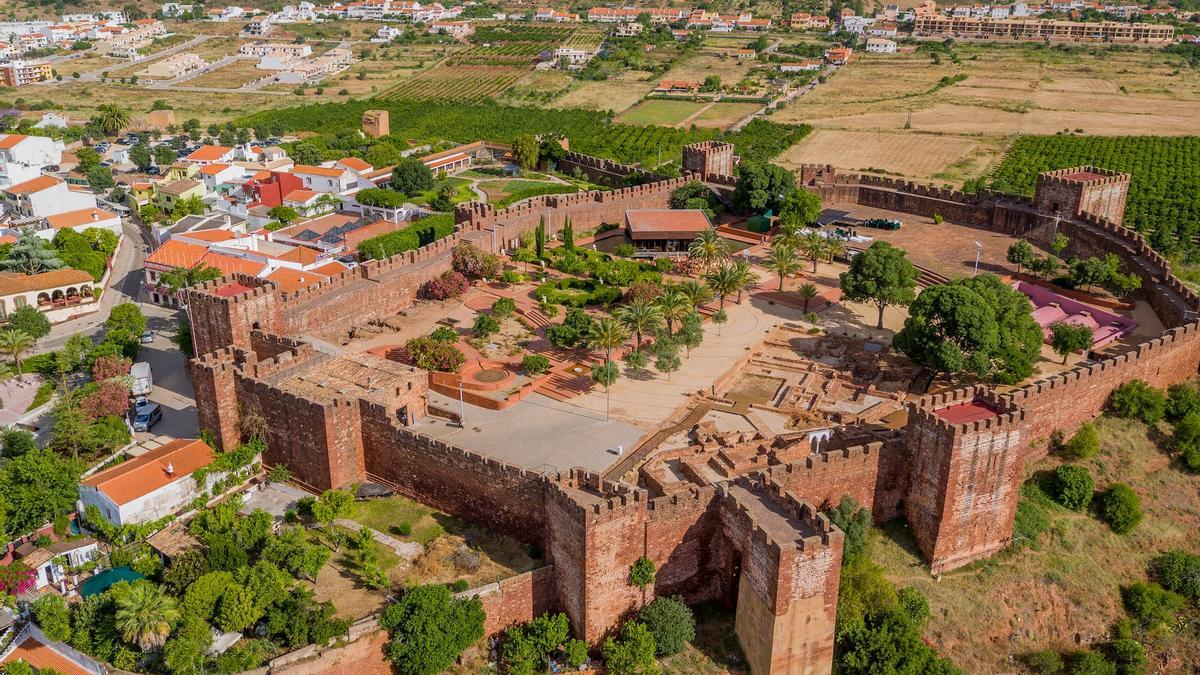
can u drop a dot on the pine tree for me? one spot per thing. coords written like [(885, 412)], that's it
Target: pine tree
[(568, 235), (31, 255)]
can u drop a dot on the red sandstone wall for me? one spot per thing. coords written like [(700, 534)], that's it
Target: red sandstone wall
[(465, 484), (516, 600), (681, 539), (874, 475), (365, 656)]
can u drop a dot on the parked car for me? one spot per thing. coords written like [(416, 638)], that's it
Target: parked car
[(153, 171), (147, 416), (147, 337), (53, 168)]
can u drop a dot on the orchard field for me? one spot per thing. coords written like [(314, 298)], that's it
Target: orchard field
[(1164, 185), (590, 132)]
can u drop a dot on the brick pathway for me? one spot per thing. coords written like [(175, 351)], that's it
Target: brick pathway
[(409, 550)]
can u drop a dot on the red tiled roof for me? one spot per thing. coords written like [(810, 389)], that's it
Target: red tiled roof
[(300, 196), (211, 236), (9, 141), (229, 264), (318, 170), (212, 169), (43, 657), (355, 164), (11, 284), (330, 268), (77, 218), (208, 153), (657, 223), (143, 475), (34, 185), (293, 280), (174, 253)]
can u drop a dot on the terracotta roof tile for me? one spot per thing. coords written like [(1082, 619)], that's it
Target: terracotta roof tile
[(655, 223), (330, 268), (209, 153), (318, 170), (293, 280), (34, 185), (143, 475), (77, 218), (229, 264), (43, 657), (213, 169), (9, 141), (11, 284), (355, 164), (175, 254)]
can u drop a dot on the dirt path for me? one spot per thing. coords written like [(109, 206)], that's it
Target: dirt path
[(687, 122)]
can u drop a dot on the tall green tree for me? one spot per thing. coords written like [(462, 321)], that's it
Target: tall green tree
[(607, 334), (708, 248), (673, 305), (782, 260), (411, 177), (430, 628), (14, 343), (31, 255), (1066, 338), (525, 151), (761, 186), (30, 321), (801, 207), (640, 317), (724, 279), (185, 277), (977, 325), (881, 275)]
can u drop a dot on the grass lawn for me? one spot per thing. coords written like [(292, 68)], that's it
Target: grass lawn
[(389, 515), (462, 191), (660, 112), (505, 192)]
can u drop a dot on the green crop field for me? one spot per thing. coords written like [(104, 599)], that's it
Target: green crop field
[(1164, 184), (660, 112)]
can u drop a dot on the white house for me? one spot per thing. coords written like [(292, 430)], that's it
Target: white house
[(215, 175), (81, 220), (857, 24), (211, 154), (880, 46), (45, 655), (324, 178), (23, 157), (150, 486), (808, 65), (59, 294), (42, 560), (46, 196)]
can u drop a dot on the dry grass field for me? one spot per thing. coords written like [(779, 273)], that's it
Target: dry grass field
[(1064, 593), (616, 95), (695, 69), (230, 76), (878, 99), (721, 115), (909, 153)]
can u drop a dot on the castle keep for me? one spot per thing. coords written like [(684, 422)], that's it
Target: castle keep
[(735, 518)]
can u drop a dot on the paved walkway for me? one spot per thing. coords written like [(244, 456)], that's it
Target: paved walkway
[(409, 550)]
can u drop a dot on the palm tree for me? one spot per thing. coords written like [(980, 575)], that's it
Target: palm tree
[(807, 292), (674, 305), (708, 247), (745, 277), (790, 233), (640, 317), (782, 260), (607, 334), (697, 292), (724, 280), (110, 120), (13, 342), (813, 246), (145, 614), (834, 246)]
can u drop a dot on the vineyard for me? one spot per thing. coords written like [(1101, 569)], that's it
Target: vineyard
[(511, 44), (591, 132), (1164, 185), (512, 32), (457, 83)]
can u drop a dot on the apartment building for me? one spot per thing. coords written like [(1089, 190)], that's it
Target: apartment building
[(1044, 30)]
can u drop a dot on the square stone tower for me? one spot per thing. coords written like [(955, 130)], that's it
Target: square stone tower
[(1082, 190), (375, 123), (709, 158)]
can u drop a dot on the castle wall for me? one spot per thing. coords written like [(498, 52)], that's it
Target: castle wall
[(470, 486), (681, 540), (516, 600), (600, 170), (874, 475)]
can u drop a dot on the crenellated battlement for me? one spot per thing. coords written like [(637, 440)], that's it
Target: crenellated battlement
[(1065, 176)]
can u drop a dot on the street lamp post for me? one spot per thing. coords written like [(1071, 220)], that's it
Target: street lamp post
[(978, 250)]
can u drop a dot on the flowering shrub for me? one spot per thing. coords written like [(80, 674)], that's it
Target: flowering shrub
[(429, 354), (474, 263), (450, 285), (16, 578), (110, 399), (108, 367)]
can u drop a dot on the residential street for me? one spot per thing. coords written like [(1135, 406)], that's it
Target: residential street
[(172, 384)]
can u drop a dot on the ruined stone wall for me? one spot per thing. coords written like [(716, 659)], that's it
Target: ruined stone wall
[(874, 475), (516, 600)]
